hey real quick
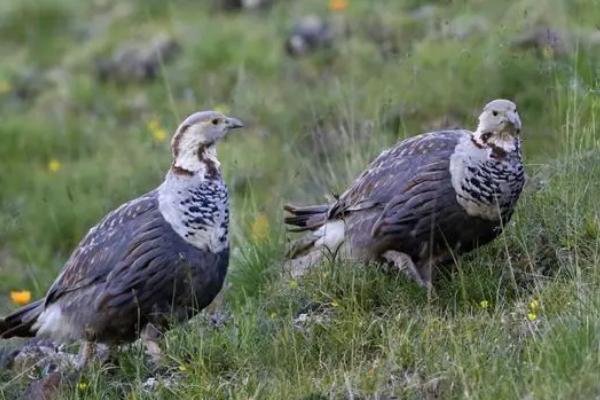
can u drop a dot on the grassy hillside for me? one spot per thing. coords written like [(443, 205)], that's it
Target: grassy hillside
[(517, 319)]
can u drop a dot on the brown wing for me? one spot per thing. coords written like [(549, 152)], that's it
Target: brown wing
[(134, 268), (403, 168), (103, 247), (421, 203)]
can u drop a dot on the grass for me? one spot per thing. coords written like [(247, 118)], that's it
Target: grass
[(516, 319)]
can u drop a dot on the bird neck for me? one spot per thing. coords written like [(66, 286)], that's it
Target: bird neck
[(499, 143), (199, 161)]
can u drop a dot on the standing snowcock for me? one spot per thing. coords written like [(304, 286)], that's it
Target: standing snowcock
[(155, 260), (422, 202)]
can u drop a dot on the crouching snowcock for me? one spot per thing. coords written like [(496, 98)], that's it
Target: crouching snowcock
[(423, 201)]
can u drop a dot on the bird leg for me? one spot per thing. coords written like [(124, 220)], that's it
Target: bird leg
[(150, 335), (86, 353), (426, 272), (405, 264)]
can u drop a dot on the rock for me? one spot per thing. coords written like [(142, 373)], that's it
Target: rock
[(153, 383), (138, 62), (7, 356), (233, 5), (424, 12), (426, 16), (43, 355), (594, 38), (465, 26), (385, 36), (319, 315), (46, 388), (29, 82), (310, 33), (543, 38), (218, 319)]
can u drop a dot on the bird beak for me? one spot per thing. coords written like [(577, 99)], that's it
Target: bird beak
[(514, 120), (233, 123)]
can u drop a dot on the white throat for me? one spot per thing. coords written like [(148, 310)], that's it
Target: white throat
[(500, 174), (490, 139), (196, 157)]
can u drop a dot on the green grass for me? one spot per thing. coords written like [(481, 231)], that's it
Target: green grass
[(312, 125)]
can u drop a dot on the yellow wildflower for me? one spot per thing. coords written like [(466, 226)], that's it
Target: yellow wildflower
[(160, 135), (531, 316), (592, 227), (158, 132), (5, 86), (182, 368), (54, 166), (534, 305), (335, 304), (20, 297), (260, 228), (484, 304), (273, 315), (82, 386), (153, 124), (293, 284), (338, 5)]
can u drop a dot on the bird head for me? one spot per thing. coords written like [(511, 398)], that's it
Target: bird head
[(499, 125), (194, 141)]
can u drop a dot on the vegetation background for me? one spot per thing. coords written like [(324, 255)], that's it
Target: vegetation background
[(87, 110)]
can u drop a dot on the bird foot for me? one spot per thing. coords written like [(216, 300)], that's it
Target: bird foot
[(404, 263), (86, 353), (150, 337)]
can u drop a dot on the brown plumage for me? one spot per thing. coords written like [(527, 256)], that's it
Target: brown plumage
[(159, 258), (423, 201)]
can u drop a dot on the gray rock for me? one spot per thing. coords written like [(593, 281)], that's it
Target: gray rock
[(233, 5), (43, 355), (465, 26), (138, 61), (48, 387), (310, 33), (385, 36), (154, 383), (594, 38), (542, 38)]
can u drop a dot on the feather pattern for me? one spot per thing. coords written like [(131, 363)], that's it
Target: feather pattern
[(429, 197), (133, 268), (159, 258)]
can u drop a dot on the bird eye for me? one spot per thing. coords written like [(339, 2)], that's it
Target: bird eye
[(495, 113), (215, 121)]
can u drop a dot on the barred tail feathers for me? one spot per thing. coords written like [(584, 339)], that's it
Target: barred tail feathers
[(20, 323), (324, 234)]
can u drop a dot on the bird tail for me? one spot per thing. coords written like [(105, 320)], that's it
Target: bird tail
[(20, 323), (324, 236), (305, 218), (302, 219)]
